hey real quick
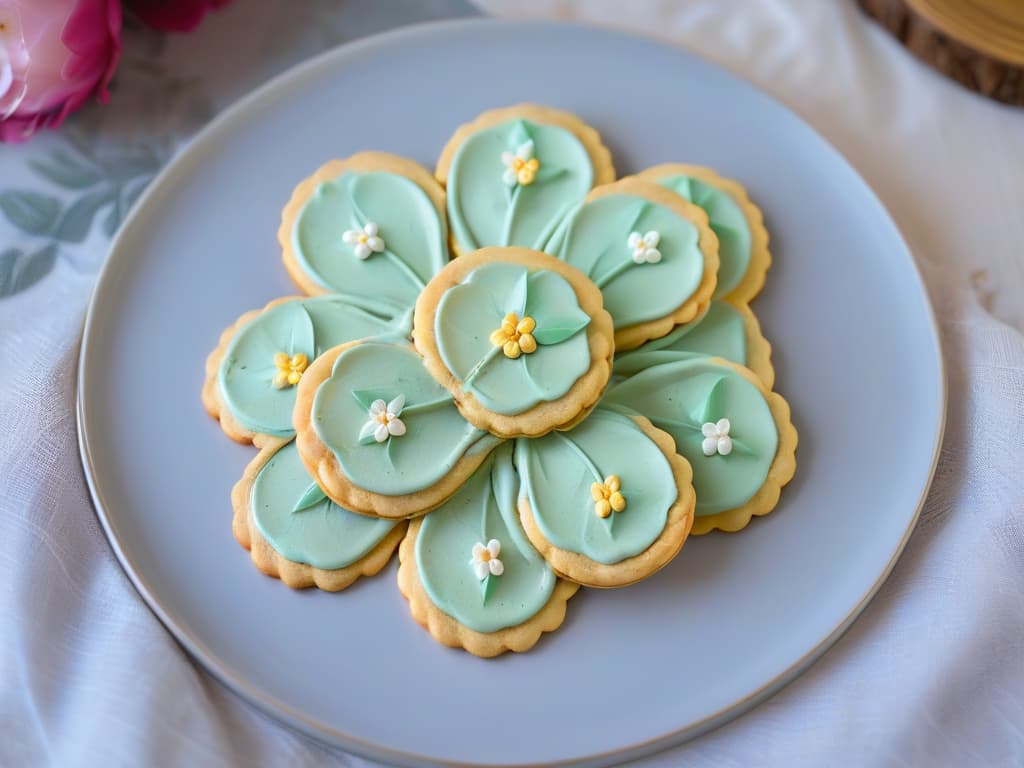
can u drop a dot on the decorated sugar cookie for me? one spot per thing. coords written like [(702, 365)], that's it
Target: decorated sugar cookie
[(736, 434), (651, 254), (730, 331), (251, 376), (470, 574), (379, 435), (519, 338), (607, 503), (736, 221), (370, 227), (562, 404), (513, 173), (295, 533)]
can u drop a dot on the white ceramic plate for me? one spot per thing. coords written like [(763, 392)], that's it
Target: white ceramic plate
[(726, 624)]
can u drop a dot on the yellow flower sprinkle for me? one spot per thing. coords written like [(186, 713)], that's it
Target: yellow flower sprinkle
[(526, 170), (515, 336), (289, 369), (607, 496)]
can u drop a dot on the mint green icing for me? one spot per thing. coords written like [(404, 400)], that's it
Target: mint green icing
[(680, 397), (727, 221), (414, 235), (483, 509), (321, 534), (721, 332), (558, 470), (306, 326), (436, 437), (484, 210), (595, 240), (468, 313)]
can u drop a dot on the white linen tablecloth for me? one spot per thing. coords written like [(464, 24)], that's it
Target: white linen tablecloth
[(932, 674)]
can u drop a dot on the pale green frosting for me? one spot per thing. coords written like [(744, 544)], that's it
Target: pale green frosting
[(484, 210), (436, 437), (483, 509), (468, 313), (721, 332), (414, 235), (681, 397), (727, 221), (321, 534), (558, 470), (306, 326), (595, 240)]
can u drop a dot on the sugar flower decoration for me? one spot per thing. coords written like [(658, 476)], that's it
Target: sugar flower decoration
[(485, 559), (289, 369), (608, 496), (645, 247), (716, 438), (364, 241), (515, 336), (520, 168), (383, 420)]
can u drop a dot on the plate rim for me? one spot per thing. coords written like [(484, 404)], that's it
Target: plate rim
[(329, 735)]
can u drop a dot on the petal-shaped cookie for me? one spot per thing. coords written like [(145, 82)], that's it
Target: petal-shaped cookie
[(607, 503), (297, 534), (512, 173), (250, 387), (738, 223), (471, 576), (725, 330), (651, 253), (379, 435), (370, 227), (736, 434), (518, 337)]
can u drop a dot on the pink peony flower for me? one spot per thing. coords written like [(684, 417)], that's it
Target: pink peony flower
[(174, 15), (54, 54)]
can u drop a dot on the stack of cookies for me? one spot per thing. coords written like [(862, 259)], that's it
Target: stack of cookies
[(520, 373)]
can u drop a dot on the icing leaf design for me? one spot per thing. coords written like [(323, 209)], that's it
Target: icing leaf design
[(483, 511), (727, 221), (557, 330), (314, 495), (512, 361), (434, 435), (365, 397), (268, 355), (520, 133), (681, 397), (631, 247), (511, 183), (330, 537), (563, 474), (517, 297), (373, 234), (301, 336), (487, 586), (714, 404), (552, 302)]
